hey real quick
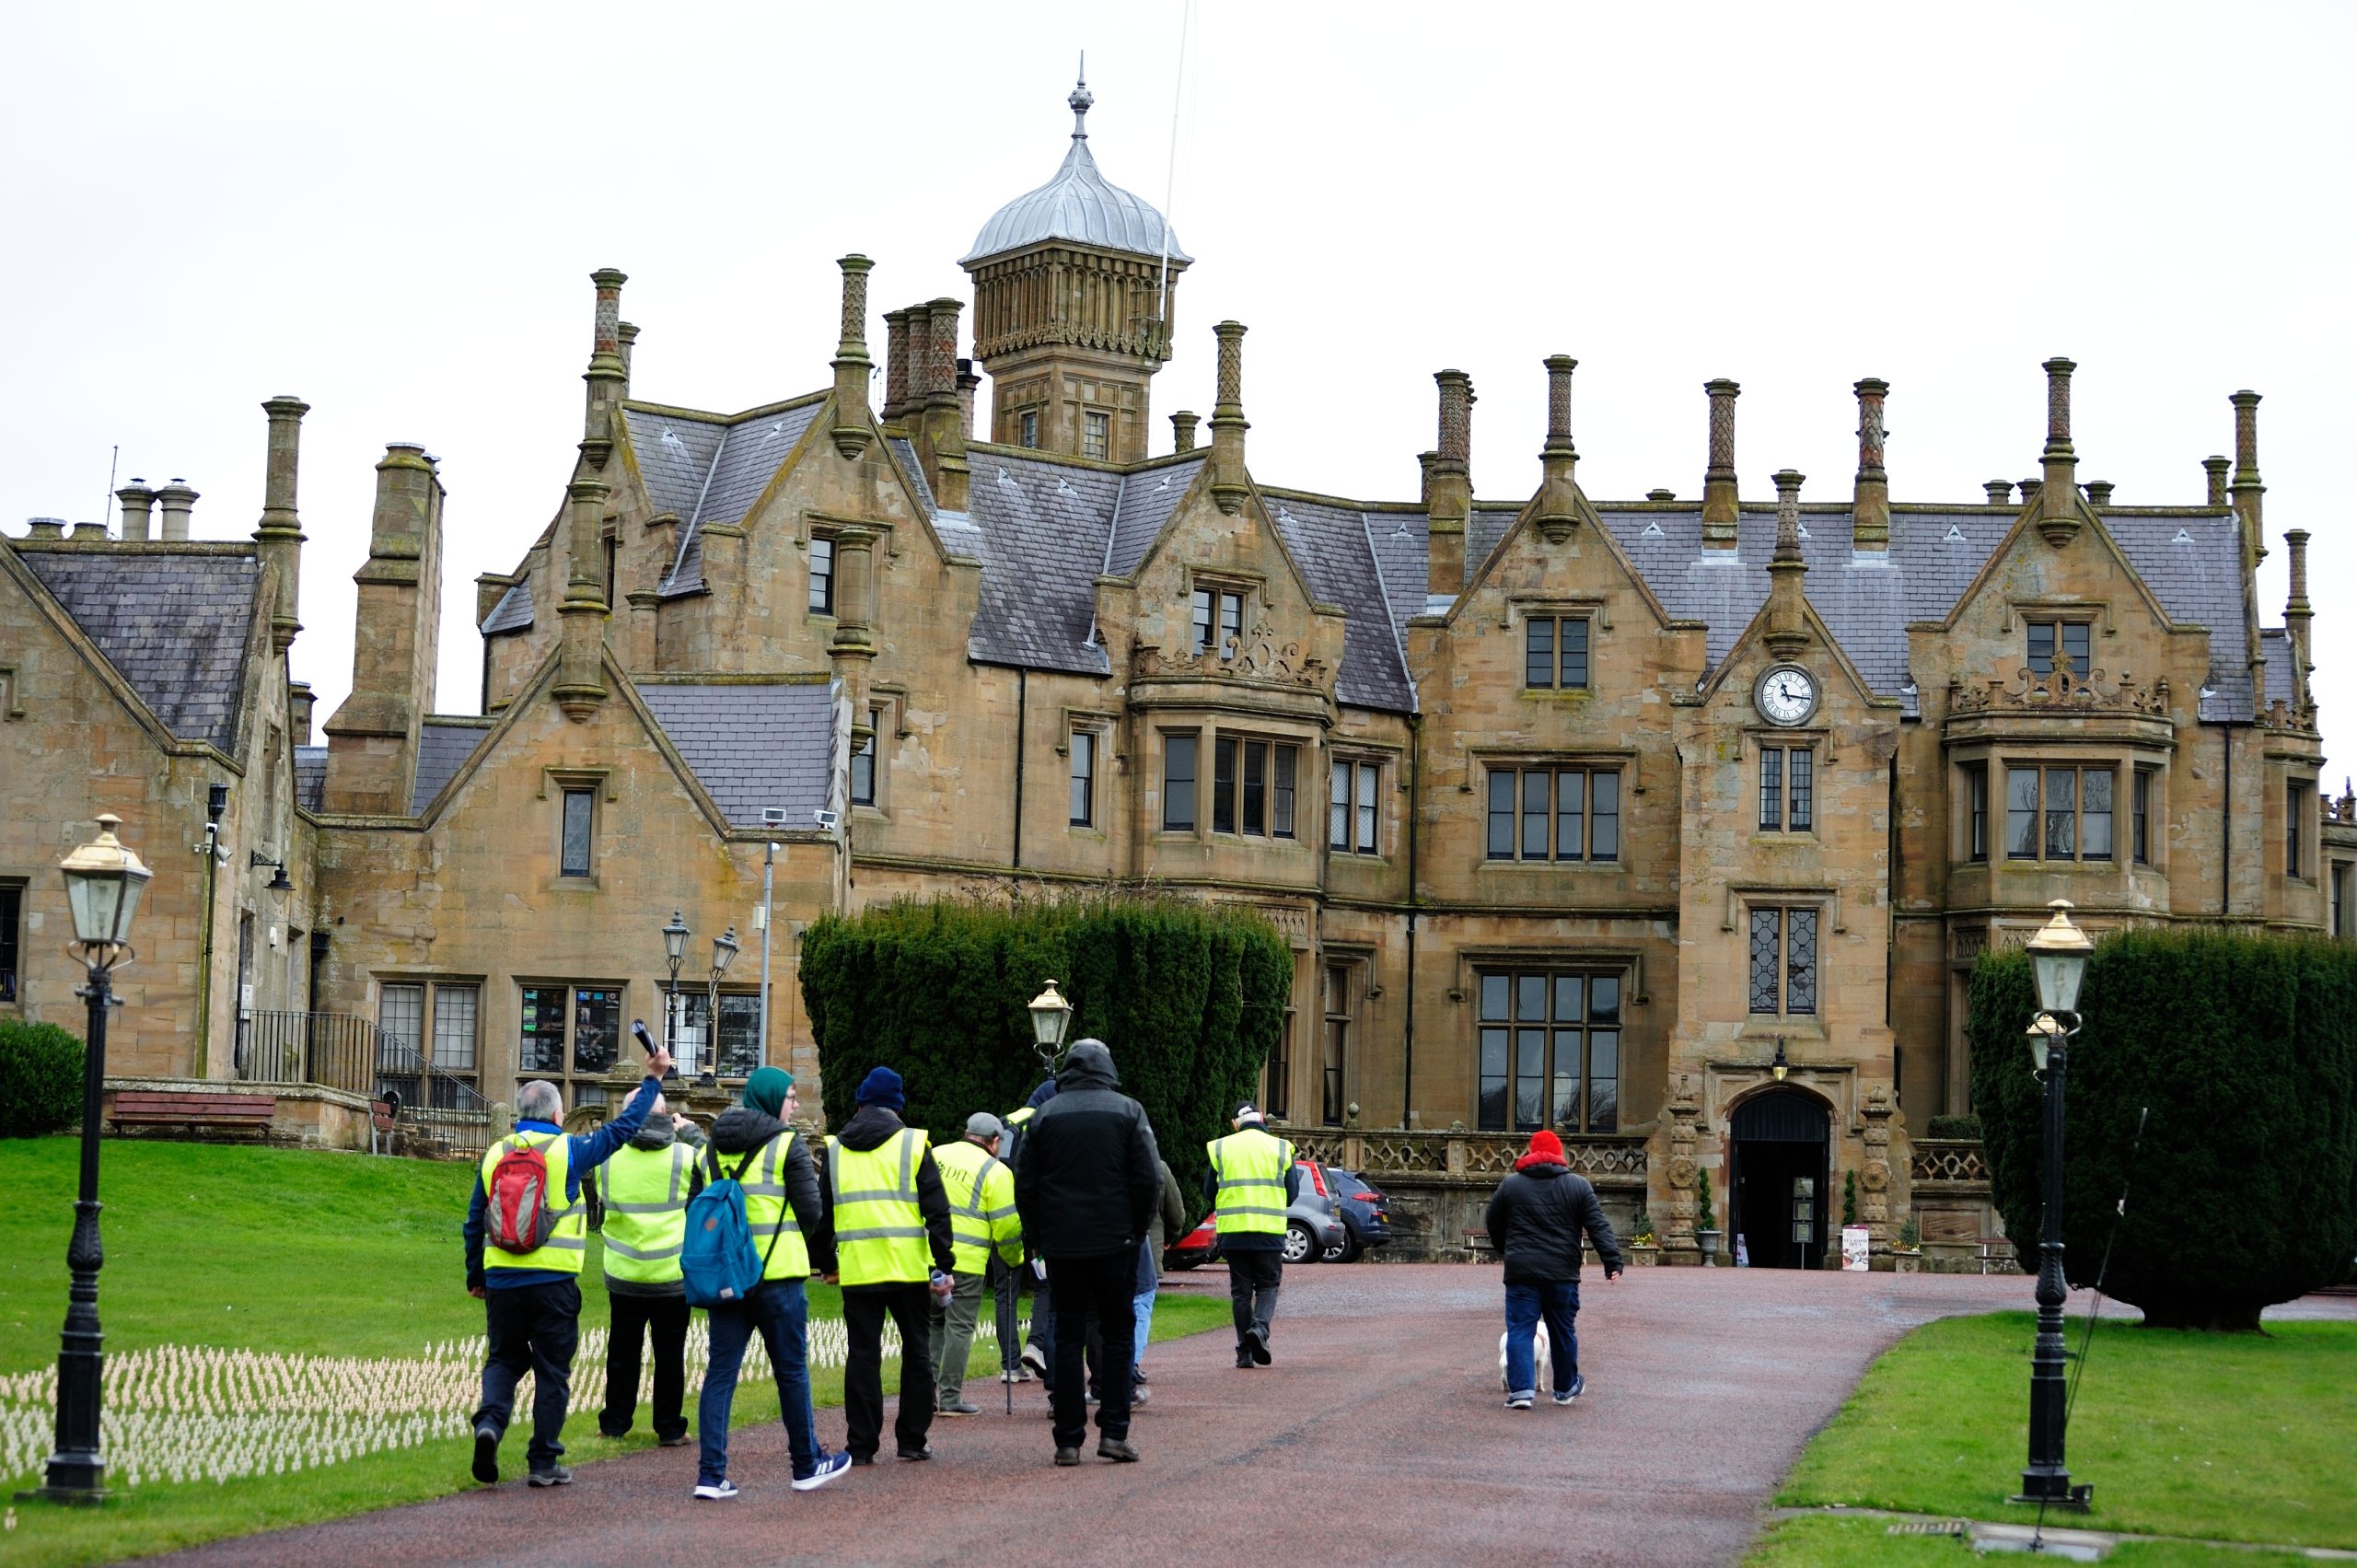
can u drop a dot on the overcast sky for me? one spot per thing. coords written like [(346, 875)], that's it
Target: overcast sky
[(392, 212)]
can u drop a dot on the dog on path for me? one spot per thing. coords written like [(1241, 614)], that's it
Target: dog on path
[(1544, 1364)]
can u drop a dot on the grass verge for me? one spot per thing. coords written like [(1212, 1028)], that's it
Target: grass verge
[(290, 1250), (2220, 1437)]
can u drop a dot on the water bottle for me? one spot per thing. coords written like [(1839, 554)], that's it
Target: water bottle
[(942, 1285)]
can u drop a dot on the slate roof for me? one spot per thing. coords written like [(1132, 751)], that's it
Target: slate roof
[(1081, 205), (752, 746), (1336, 552), (173, 626), (709, 470), (514, 610), (442, 750), (310, 776), (1043, 526)]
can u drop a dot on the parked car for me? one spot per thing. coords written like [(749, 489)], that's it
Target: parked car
[(1365, 1215), (1313, 1228)]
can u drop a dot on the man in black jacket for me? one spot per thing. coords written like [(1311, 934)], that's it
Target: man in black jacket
[(1536, 1218), (1086, 1182)]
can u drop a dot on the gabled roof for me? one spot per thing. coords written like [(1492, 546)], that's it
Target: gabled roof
[(443, 747), (752, 746), (1335, 548), (706, 469), (310, 777), (174, 625)]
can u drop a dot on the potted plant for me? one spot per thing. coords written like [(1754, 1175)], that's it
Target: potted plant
[(1906, 1252), (1644, 1246), (1706, 1222)]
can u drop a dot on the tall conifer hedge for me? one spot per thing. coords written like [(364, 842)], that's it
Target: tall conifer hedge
[(2244, 1048), (1189, 998)]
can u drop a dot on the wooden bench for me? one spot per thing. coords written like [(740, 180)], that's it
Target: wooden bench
[(145, 1108)]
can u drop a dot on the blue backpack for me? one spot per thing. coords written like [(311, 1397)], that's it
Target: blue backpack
[(718, 1264)]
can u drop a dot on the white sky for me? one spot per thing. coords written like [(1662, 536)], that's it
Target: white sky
[(392, 212)]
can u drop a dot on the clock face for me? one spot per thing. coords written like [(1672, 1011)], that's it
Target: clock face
[(1786, 694)]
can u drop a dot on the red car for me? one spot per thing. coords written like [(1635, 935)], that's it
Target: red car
[(1313, 1227)]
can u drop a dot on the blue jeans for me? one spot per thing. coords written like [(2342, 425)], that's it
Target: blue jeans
[(1558, 1302), (1144, 1306), (780, 1311)]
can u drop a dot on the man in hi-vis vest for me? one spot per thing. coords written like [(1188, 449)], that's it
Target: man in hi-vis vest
[(892, 1234), (1252, 1182), (983, 1224), (645, 1188), (532, 1300)]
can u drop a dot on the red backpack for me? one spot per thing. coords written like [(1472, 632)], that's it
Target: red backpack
[(519, 1215)]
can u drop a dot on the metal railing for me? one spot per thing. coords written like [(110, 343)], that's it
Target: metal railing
[(338, 1050), (1612, 1161)]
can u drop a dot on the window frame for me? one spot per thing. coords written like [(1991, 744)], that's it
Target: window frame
[(2043, 814), (686, 1036), (1243, 809), (1510, 1026), (2299, 804), (1337, 977), (1027, 429), (819, 598), (2139, 815), (12, 941), (1519, 813), (1174, 799), (586, 795), (1559, 650), (1976, 812), (1787, 924), (436, 996), (1097, 432), (2058, 629), (581, 1085), (1081, 749), (1788, 802), (1217, 609), (1354, 803), (870, 753)]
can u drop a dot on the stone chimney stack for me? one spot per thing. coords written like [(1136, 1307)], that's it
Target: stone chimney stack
[(1182, 431), (178, 500), (1559, 459), (300, 701), (850, 363), (1787, 631), (2000, 492), (2298, 615), (44, 527), (372, 738), (581, 614), (2216, 469), (1449, 487), (278, 537), (626, 334), (969, 383), (1229, 483), (1870, 506), (1720, 508), (2100, 492), (2246, 489), (896, 363), (2058, 490), (608, 376), (138, 503), (91, 533), (1424, 461), (934, 408)]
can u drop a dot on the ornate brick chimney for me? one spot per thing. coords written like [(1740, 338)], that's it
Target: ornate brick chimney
[(1870, 506), (2058, 489), (2298, 614), (1787, 631), (1448, 485), (2246, 489), (607, 377), (1230, 484), (2215, 468), (1559, 459), (939, 428), (896, 364), (1182, 431), (1720, 508), (278, 537), (850, 363)]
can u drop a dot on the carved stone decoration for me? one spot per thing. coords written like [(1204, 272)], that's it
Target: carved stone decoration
[(1684, 1116), (2063, 690), (1256, 655), (1876, 1178)]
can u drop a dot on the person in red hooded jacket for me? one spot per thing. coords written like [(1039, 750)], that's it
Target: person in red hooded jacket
[(1536, 1219)]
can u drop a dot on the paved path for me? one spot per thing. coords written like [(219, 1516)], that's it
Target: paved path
[(1378, 1436)]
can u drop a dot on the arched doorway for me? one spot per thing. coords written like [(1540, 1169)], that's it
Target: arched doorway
[(1781, 1173)]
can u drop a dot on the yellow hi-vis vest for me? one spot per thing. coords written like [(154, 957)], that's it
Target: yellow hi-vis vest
[(568, 1244), (647, 1212), (879, 1229), (1251, 1167), (982, 1205), (768, 1212)]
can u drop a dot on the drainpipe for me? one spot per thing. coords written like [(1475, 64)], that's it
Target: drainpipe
[(1415, 789), (1022, 699), (2226, 830), (216, 801), (769, 864)]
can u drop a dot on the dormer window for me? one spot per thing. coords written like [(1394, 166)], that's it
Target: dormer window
[(2073, 638), (1219, 615)]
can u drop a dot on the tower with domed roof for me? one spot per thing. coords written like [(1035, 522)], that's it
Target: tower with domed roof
[(1073, 285)]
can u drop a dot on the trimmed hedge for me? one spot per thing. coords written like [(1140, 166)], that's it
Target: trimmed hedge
[(1966, 1126), (40, 1079), (2245, 1049), (1190, 999)]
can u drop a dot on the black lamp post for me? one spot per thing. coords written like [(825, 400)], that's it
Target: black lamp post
[(103, 881), (1050, 1016), (724, 953), (674, 953), (2058, 958)]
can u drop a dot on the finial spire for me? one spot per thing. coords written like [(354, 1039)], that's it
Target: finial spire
[(1081, 102)]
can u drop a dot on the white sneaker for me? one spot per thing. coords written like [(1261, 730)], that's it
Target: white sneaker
[(1518, 1401), (716, 1492), (830, 1467)]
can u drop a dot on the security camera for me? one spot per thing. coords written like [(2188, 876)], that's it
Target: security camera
[(826, 820), (772, 816)]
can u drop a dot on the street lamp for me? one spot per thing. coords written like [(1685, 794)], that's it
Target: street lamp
[(724, 953), (1780, 1065), (674, 953), (2058, 956), (103, 881), (1050, 1016)]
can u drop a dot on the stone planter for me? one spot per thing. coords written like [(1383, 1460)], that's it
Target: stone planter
[(1709, 1244), (1906, 1263), (1640, 1256)]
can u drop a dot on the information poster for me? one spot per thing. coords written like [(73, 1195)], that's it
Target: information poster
[(1854, 1247)]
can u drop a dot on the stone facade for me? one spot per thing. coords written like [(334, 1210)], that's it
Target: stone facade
[(1655, 820)]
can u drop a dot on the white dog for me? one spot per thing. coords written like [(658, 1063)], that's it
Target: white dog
[(1545, 1362)]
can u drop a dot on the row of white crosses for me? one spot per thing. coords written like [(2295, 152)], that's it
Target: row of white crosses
[(197, 1412)]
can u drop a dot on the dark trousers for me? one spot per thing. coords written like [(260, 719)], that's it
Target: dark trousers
[(779, 1310), (1253, 1279), (1106, 1286), (1043, 1334), (865, 1307), (532, 1329), (1005, 1289), (634, 1315), (1558, 1301)]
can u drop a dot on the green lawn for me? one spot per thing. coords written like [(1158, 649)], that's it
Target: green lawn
[(277, 1249), (2222, 1438)]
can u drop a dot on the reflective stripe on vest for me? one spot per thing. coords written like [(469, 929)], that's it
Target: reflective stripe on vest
[(879, 1229), (1251, 1167), (769, 1212), (646, 1212), (568, 1244), (982, 1205)]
